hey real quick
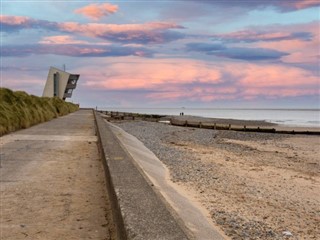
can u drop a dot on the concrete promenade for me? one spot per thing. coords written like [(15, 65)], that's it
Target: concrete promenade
[(52, 182)]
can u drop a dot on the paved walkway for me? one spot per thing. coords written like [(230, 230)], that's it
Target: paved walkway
[(52, 182)]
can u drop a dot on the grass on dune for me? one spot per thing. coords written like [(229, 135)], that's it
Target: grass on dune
[(21, 110)]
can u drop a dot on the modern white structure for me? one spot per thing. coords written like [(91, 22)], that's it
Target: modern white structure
[(60, 84)]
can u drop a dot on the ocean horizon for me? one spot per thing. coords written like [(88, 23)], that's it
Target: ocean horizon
[(283, 116)]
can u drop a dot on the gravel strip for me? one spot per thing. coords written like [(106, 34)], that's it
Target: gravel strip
[(182, 150)]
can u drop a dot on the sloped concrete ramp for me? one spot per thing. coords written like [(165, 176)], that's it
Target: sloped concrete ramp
[(187, 212)]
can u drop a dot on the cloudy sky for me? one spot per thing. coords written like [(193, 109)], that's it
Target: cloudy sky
[(191, 53)]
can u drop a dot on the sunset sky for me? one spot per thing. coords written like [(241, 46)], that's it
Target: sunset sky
[(191, 53)]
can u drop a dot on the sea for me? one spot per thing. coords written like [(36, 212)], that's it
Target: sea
[(288, 117)]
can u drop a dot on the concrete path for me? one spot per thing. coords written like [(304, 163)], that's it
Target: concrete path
[(195, 218), (52, 183)]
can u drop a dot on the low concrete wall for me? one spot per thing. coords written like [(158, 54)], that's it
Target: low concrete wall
[(137, 210), (102, 142)]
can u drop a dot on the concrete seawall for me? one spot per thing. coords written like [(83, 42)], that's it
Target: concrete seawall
[(138, 210)]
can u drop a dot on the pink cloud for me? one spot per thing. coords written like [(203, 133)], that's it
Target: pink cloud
[(282, 5), (273, 33), (299, 42), (63, 46), (100, 29), (61, 39), (14, 20), (97, 11), (287, 45), (94, 29), (195, 80), (155, 73), (273, 81), (15, 23), (151, 32), (300, 51), (170, 80), (253, 35), (300, 4), (270, 75)]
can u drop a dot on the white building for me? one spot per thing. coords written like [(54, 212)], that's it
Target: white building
[(60, 84)]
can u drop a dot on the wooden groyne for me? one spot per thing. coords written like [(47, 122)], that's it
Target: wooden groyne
[(114, 115), (215, 126)]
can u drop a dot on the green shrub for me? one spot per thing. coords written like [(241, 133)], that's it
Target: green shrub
[(21, 110)]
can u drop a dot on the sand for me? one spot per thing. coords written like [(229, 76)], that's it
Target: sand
[(255, 185)]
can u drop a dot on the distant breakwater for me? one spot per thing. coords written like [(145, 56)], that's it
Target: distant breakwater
[(114, 115), (286, 117)]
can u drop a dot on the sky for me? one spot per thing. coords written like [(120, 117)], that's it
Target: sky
[(190, 53)]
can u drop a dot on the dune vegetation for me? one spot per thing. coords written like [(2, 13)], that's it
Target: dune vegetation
[(20, 110)]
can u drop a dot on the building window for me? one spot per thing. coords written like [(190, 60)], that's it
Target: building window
[(56, 84)]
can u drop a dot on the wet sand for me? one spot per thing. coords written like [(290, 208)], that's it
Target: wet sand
[(254, 185)]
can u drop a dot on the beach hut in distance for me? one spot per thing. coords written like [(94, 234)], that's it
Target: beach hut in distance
[(60, 83)]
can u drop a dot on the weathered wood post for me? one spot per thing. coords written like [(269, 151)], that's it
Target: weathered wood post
[(215, 126), (200, 125)]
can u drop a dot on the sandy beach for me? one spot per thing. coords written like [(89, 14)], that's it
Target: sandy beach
[(254, 185)]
